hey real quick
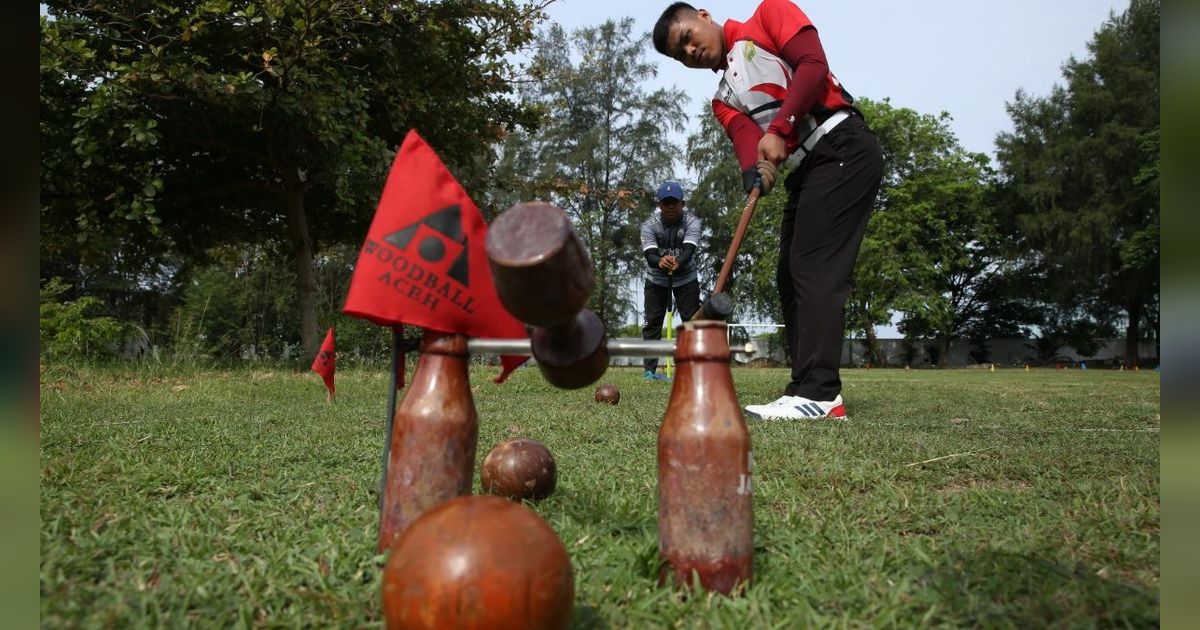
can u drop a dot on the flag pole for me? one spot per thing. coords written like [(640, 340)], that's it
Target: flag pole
[(391, 416)]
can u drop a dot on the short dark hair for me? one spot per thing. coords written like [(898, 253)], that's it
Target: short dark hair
[(668, 17)]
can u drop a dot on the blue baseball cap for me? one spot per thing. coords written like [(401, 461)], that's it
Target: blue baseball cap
[(669, 190)]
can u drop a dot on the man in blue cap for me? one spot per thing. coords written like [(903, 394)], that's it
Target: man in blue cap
[(669, 239)]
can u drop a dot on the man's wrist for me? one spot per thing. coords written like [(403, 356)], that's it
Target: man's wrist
[(748, 177)]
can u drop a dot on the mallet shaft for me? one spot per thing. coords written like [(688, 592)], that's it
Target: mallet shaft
[(616, 347)]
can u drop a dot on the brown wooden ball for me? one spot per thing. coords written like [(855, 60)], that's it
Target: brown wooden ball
[(608, 393), (520, 468), (478, 562)]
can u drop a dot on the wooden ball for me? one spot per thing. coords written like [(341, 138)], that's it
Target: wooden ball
[(608, 393), (520, 468), (478, 562)]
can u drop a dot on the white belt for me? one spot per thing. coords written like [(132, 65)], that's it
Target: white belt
[(806, 147)]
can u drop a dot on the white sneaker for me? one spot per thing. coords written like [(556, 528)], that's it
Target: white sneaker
[(798, 408)]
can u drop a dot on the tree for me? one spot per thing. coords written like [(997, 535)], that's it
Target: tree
[(1082, 168), (602, 149), (175, 127), (933, 250)]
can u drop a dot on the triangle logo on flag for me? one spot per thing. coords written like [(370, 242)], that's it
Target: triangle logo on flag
[(446, 227)]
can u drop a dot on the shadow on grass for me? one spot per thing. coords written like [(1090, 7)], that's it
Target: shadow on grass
[(996, 588), (588, 618)]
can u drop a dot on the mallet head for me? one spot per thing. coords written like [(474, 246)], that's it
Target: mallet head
[(717, 307)]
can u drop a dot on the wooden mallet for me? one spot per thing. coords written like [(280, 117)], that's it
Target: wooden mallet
[(719, 306)]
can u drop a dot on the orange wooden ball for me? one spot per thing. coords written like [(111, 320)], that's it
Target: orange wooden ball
[(478, 562)]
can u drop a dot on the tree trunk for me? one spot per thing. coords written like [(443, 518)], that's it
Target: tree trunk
[(1131, 333), (944, 356), (877, 354), (306, 281)]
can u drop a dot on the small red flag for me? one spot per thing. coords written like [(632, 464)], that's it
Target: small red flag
[(325, 363), (424, 262)]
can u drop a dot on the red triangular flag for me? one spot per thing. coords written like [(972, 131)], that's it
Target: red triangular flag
[(423, 262), (326, 362)]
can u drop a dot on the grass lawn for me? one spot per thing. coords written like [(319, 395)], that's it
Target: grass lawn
[(241, 499)]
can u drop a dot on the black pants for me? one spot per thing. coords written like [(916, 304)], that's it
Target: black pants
[(830, 196), (658, 300)]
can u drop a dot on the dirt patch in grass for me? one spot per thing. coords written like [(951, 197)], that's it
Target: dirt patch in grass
[(1010, 485), (762, 362)]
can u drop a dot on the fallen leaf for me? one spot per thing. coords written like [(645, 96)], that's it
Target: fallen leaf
[(179, 388), (152, 583), (101, 522), (957, 420)]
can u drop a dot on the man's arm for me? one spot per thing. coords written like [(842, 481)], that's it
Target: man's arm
[(744, 134), (692, 230), (685, 255), (650, 244), (807, 58), (691, 238), (652, 257)]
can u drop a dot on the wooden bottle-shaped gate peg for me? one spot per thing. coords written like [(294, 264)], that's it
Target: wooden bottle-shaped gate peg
[(434, 436), (705, 514)]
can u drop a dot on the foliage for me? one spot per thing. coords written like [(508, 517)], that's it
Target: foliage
[(176, 128), (981, 351), (602, 149), (239, 308), (240, 304), (1081, 166), (630, 331), (933, 249), (1079, 333), (76, 329), (1045, 347)]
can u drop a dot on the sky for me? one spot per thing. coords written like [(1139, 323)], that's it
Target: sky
[(964, 57)]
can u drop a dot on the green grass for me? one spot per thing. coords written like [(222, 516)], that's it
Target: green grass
[(241, 499)]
